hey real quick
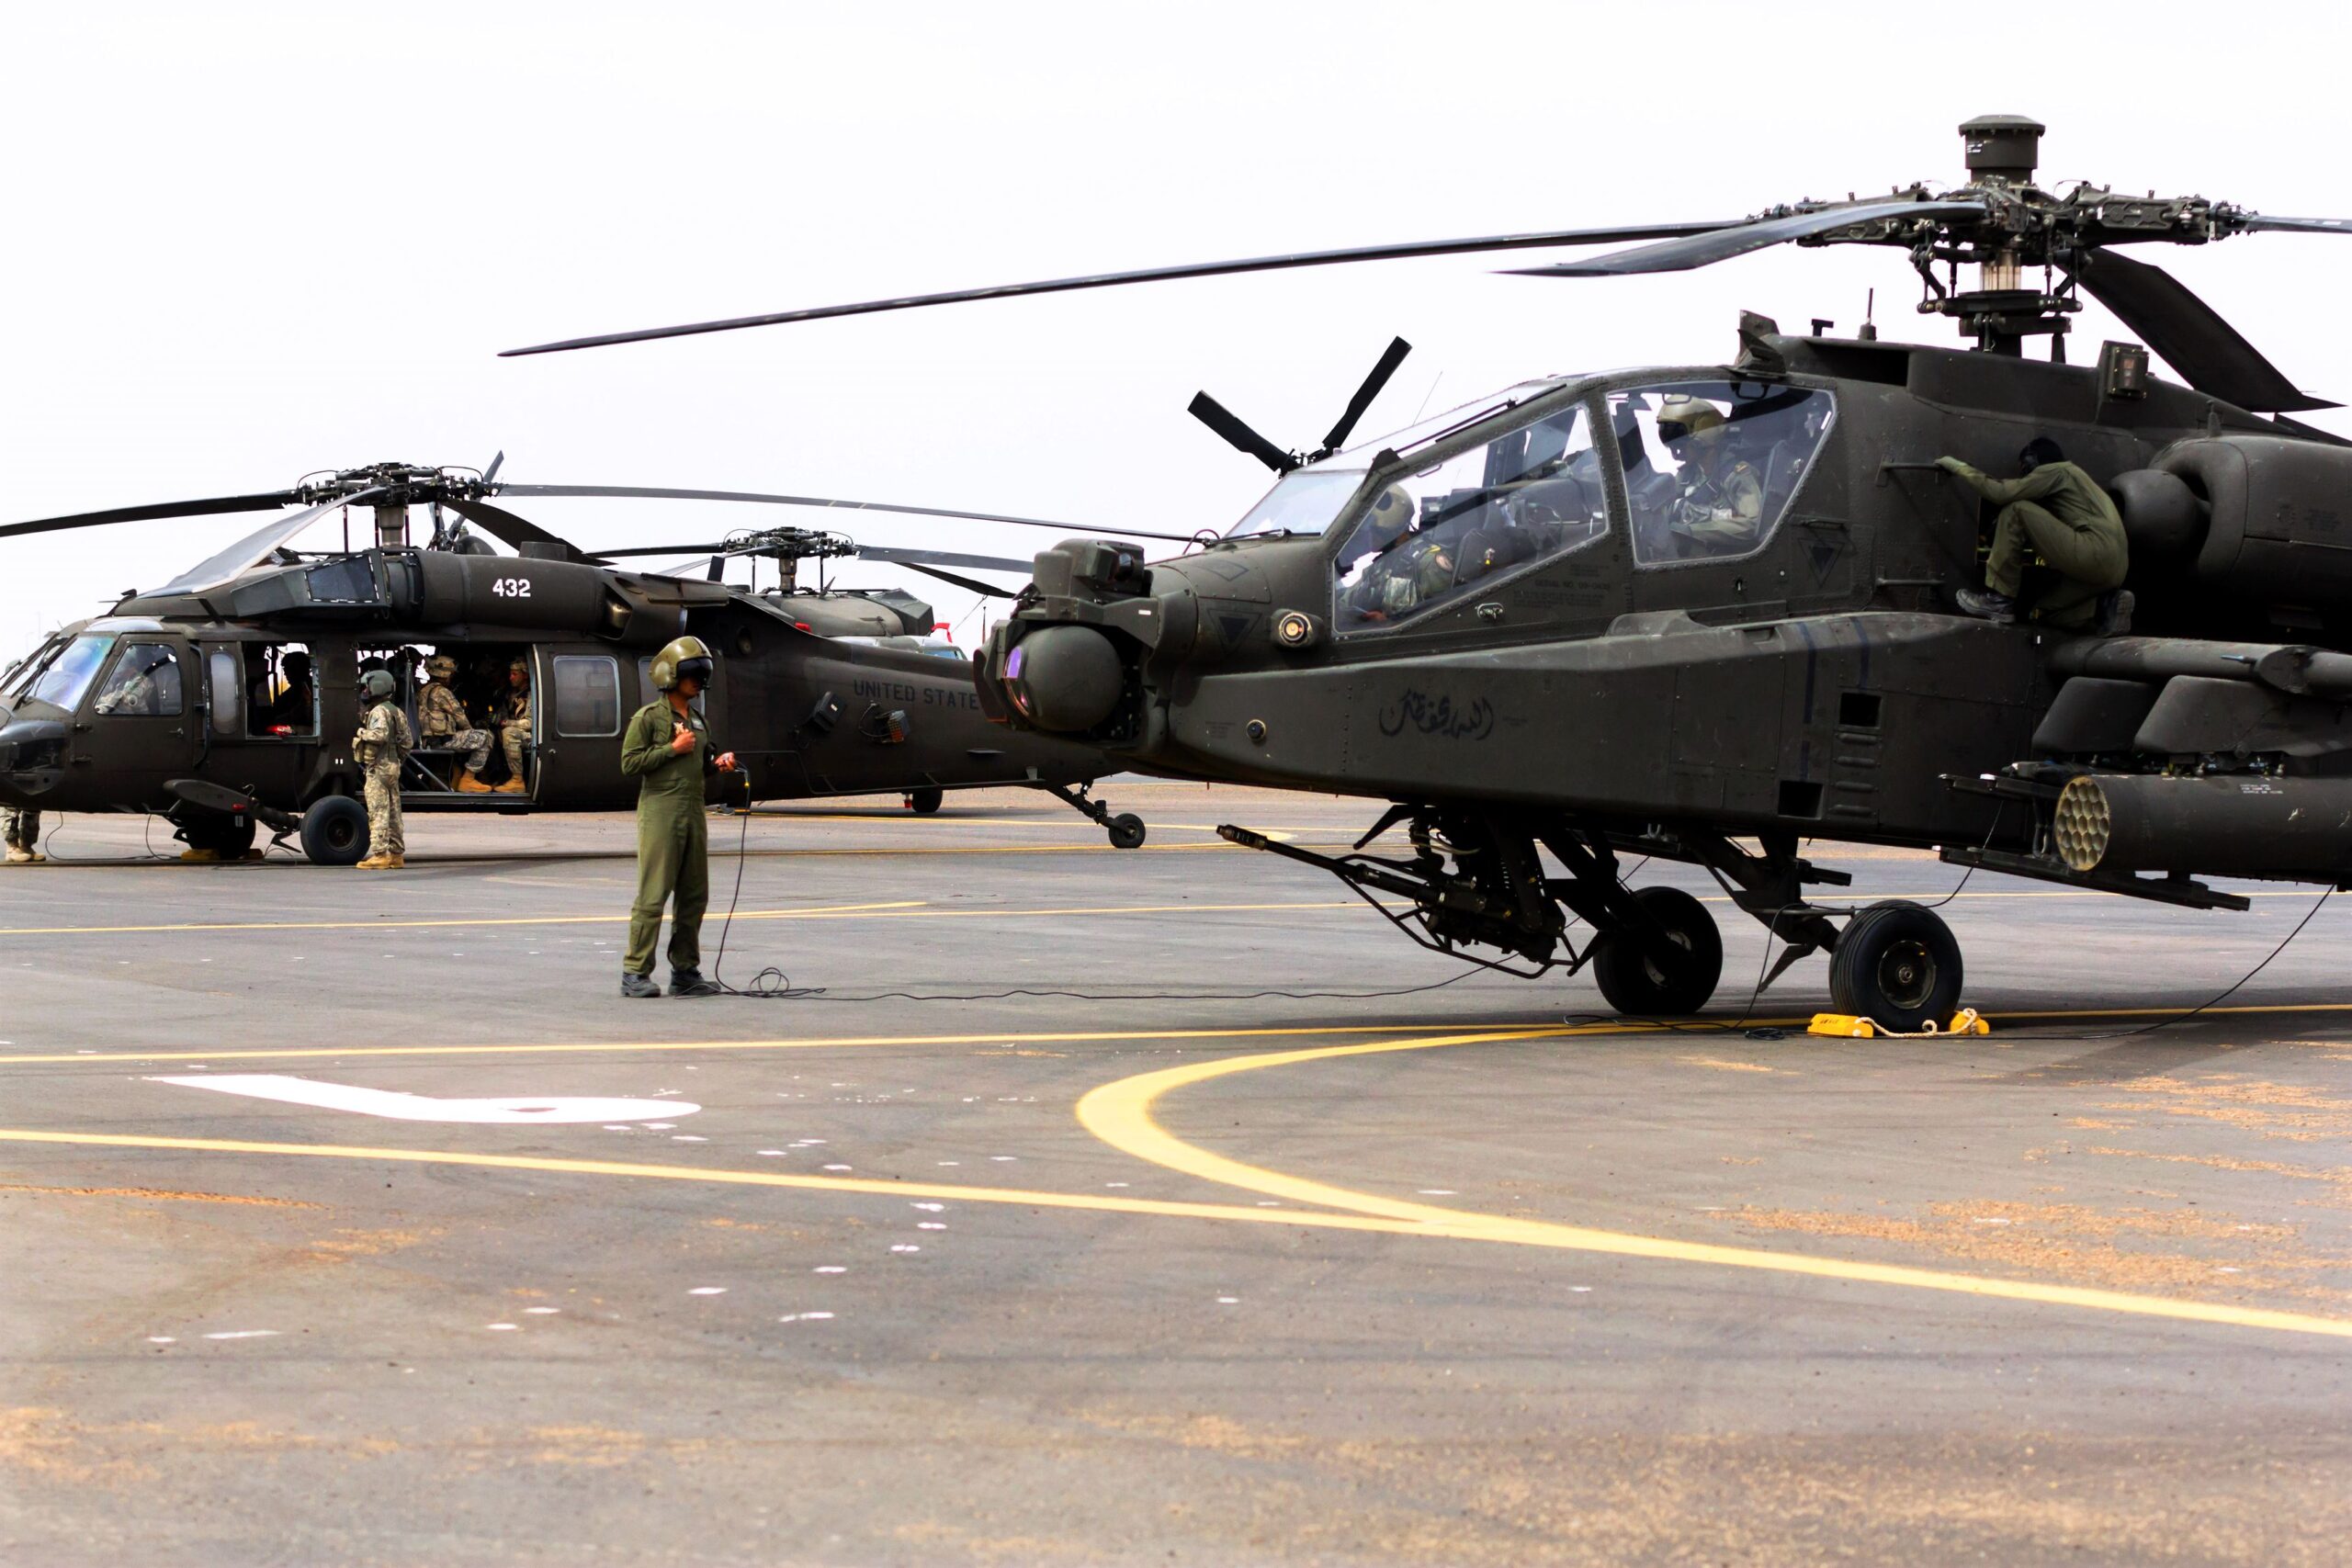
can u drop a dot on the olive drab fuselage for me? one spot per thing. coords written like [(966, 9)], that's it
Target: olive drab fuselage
[(808, 715), (1816, 685)]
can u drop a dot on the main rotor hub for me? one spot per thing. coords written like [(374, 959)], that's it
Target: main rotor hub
[(2001, 148)]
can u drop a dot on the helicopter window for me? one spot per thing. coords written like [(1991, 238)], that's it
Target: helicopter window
[(228, 691), (587, 696), (22, 674), (1436, 536), (67, 679), (1712, 466), (281, 690), (1301, 502), (145, 683)]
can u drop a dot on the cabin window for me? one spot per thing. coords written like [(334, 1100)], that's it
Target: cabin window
[(228, 691), (1457, 526), (587, 696), (1711, 466), (281, 691), (144, 683)]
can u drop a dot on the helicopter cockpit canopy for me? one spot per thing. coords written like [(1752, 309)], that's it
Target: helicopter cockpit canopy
[(257, 549), (1308, 499)]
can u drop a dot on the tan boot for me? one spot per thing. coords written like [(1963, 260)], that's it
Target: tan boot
[(375, 863), (469, 783), (511, 786), (396, 862), (24, 857)]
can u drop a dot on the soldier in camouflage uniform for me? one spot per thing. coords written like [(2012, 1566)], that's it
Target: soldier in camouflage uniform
[(515, 724), (21, 828), (133, 691), (1718, 508), (382, 744), (443, 718)]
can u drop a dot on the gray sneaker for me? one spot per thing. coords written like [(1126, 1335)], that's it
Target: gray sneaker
[(639, 985)]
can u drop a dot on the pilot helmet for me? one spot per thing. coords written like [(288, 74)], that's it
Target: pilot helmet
[(1682, 417), (378, 684), (441, 667), (684, 657), (1390, 515)]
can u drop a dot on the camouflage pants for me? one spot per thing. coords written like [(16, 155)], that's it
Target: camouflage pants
[(384, 829), (515, 736), (474, 743), (20, 828)]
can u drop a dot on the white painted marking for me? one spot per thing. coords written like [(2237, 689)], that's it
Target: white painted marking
[(245, 1334), (707, 1291), (519, 1108)]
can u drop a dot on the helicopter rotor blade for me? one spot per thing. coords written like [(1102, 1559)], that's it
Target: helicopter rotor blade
[(943, 558), (1612, 236), (669, 550), (490, 475), (503, 526), (969, 585), (650, 492), (1238, 435), (2191, 337), (2256, 223), (1722, 244), (718, 566), (215, 507), (1390, 358)]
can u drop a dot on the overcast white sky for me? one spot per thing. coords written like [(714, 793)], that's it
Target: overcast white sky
[(249, 241)]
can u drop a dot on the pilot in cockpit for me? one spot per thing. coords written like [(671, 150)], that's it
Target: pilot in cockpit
[(1718, 506)]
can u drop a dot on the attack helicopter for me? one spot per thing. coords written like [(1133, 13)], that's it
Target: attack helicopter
[(225, 698), (1508, 621)]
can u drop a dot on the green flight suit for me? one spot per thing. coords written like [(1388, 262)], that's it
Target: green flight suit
[(2060, 512), (673, 836)]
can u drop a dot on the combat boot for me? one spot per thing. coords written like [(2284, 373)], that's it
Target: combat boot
[(17, 856), (511, 786), (639, 985), (469, 783), (373, 862), (691, 982), (1986, 606)]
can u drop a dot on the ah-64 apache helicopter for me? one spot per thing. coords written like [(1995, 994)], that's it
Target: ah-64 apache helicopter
[(226, 697), (1510, 622)]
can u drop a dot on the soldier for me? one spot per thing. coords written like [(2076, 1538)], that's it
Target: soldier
[(443, 718), (382, 744), (515, 724), (133, 692), (667, 749), (1720, 505), (2057, 511), (22, 830)]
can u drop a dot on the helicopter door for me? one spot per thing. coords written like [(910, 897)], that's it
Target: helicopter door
[(135, 725), (580, 727)]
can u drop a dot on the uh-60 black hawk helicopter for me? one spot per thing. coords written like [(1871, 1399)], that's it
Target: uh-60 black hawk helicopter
[(1508, 622), (225, 698)]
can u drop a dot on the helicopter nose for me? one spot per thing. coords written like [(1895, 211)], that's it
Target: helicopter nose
[(1063, 678)]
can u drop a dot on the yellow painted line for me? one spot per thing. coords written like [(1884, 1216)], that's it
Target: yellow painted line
[(907, 909), (1120, 1114), (601, 1047)]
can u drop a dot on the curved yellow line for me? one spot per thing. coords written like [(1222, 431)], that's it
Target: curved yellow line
[(1120, 1114)]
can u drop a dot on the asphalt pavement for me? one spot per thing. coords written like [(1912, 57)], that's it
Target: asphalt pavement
[(1166, 1206)]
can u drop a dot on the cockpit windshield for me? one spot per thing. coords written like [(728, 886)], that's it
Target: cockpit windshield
[(1307, 501), (69, 675)]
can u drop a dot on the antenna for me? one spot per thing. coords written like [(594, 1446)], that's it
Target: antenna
[(1869, 327)]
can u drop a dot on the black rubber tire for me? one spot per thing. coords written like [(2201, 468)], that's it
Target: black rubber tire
[(1632, 983), (226, 836), (1126, 830), (334, 831), (923, 802), (1898, 965)]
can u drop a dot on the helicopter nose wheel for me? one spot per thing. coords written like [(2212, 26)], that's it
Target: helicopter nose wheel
[(1897, 964), (924, 801), (1645, 980)]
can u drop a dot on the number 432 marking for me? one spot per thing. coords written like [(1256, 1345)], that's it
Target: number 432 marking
[(512, 588)]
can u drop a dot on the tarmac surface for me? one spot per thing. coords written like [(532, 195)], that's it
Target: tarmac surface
[(317, 1247)]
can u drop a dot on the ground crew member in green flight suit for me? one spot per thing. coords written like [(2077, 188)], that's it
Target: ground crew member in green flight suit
[(667, 749), (2059, 511)]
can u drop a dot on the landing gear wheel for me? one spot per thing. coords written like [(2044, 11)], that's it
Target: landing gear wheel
[(335, 831), (1637, 982), (1898, 965), (1126, 830), (923, 802), (212, 831)]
